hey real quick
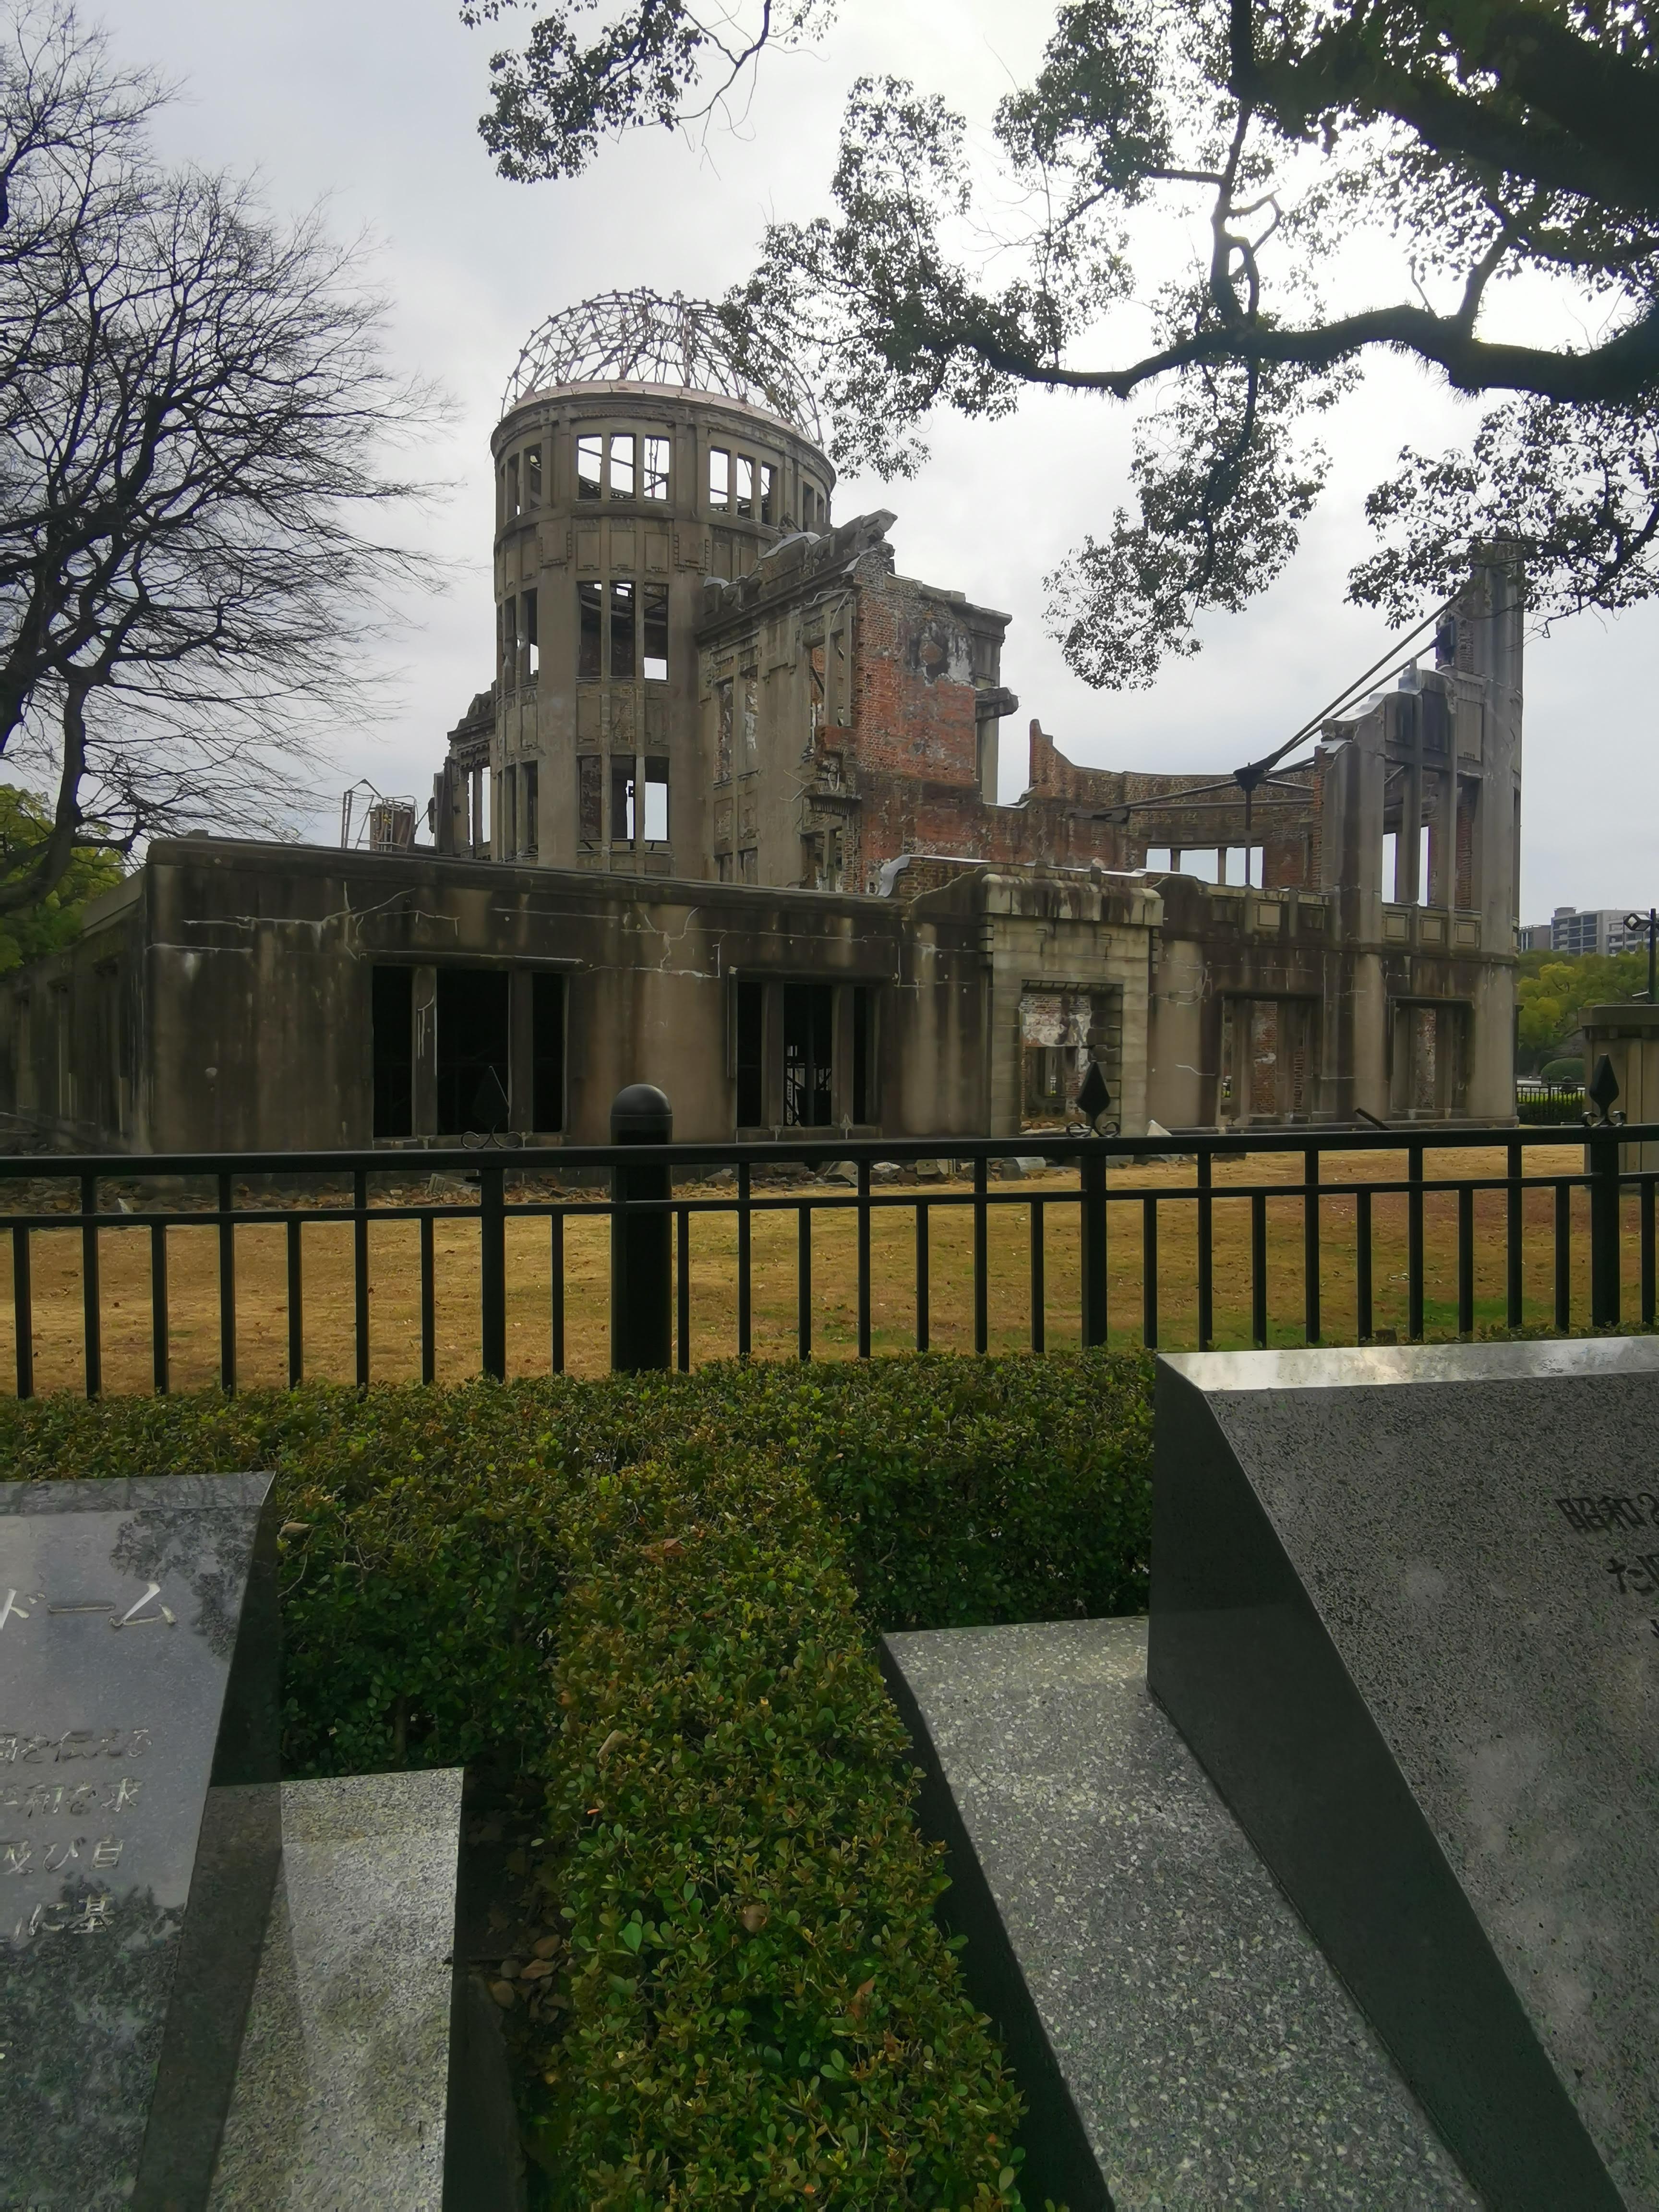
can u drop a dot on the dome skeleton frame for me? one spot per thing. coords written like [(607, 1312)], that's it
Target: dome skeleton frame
[(644, 338)]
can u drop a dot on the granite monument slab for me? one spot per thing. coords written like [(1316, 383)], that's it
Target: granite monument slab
[(1405, 1610), (139, 1828), (1176, 2034)]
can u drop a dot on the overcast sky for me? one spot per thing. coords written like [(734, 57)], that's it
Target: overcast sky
[(373, 105)]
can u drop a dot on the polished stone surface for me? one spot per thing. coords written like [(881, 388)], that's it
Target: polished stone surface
[(138, 1667), (1209, 2052), (1404, 1607), (341, 2096)]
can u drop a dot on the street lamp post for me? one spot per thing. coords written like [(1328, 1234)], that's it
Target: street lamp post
[(1648, 921)]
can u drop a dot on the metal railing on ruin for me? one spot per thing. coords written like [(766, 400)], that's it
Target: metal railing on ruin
[(656, 1214)]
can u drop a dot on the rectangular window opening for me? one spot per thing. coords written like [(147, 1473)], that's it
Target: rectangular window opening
[(750, 716), (749, 865), (622, 798), (808, 1054), (511, 486), (509, 811), (590, 799), (622, 464), (392, 1016), (656, 801), (472, 1050), (532, 649), (768, 492), (509, 643), (590, 467), (532, 475), (530, 794), (723, 730), (622, 632), (1158, 857), (720, 477), (547, 1052), (589, 607), (653, 631), (745, 502), (654, 483)]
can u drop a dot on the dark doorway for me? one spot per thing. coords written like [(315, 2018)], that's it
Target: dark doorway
[(472, 1049), (391, 1018), (809, 1028)]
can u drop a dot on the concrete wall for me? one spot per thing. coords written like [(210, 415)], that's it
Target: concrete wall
[(224, 999)]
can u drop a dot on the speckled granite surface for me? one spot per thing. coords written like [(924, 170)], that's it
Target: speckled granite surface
[(1406, 1610), (1211, 2055), (340, 2095)]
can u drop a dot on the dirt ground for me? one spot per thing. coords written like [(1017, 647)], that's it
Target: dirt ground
[(394, 1295)]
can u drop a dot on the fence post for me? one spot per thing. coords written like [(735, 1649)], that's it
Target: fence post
[(1604, 1228), (641, 1300), (1094, 1248), (492, 1271)]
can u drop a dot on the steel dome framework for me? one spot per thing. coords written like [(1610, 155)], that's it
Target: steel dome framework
[(643, 337)]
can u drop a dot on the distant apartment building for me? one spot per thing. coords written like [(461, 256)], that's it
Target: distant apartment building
[(1594, 929)]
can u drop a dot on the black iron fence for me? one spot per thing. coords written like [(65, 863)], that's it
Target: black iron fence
[(1542, 1105), (1105, 1204)]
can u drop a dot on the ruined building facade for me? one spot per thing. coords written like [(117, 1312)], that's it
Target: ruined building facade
[(726, 820)]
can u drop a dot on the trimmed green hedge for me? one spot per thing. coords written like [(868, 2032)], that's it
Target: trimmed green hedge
[(646, 1604), (758, 2007)]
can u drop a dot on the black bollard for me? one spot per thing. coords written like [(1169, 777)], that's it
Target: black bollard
[(640, 1304)]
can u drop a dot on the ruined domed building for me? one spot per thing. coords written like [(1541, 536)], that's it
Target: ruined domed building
[(725, 819)]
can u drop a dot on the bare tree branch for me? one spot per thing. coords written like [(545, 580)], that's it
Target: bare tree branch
[(194, 409)]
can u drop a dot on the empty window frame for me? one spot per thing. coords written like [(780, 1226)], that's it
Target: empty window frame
[(510, 487), (656, 800), (589, 625), (622, 828), (1269, 1055), (720, 477), (744, 506), (590, 467), (750, 717), (768, 492), (547, 1000), (622, 464), (622, 627), (590, 799), (808, 1029), (655, 469), (391, 1021), (509, 643), (749, 865), (723, 730), (509, 811), (472, 1050), (1429, 1073), (751, 1064), (532, 475), (653, 632), (529, 795), (533, 651)]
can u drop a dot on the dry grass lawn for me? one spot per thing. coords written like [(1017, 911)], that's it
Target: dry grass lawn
[(394, 1307)]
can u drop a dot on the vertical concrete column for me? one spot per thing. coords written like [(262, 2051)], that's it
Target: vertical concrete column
[(1629, 1035)]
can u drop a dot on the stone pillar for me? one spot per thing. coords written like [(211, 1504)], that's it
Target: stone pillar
[(1629, 1035)]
